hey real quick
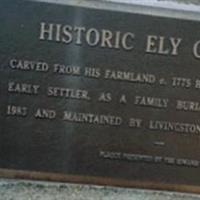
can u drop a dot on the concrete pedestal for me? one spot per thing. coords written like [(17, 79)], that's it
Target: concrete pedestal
[(34, 190)]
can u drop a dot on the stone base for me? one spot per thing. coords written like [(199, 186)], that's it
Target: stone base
[(37, 190)]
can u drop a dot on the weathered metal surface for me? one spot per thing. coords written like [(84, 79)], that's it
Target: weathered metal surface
[(96, 96)]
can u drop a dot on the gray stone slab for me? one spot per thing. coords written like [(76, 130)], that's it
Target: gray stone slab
[(186, 1), (35, 190)]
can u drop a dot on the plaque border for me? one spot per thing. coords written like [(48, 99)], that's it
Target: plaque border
[(94, 180), (173, 13)]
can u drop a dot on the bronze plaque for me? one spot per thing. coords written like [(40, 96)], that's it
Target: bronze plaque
[(97, 96)]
